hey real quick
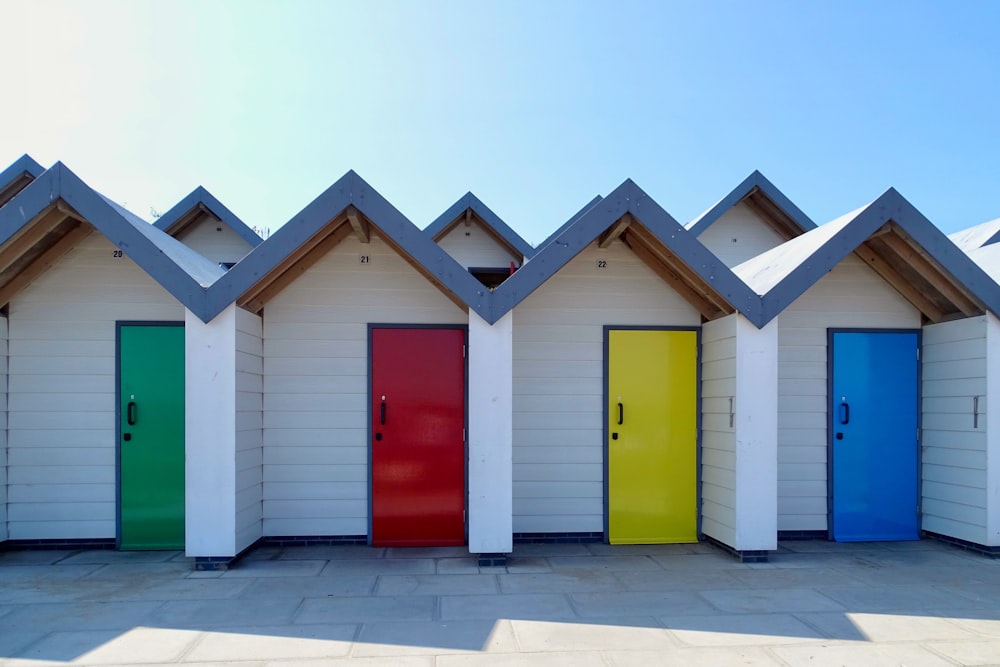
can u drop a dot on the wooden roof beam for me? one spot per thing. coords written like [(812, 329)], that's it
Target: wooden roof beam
[(707, 309), (358, 224), (930, 271), (614, 231), (775, 218), (30, 235), (454, 298), (44, 261), (891, 276)]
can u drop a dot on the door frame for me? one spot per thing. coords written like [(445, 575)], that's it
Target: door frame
[(464, 328), (830, 417), (118, 412), (608, 328)]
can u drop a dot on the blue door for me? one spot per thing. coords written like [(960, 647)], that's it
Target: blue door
[(874, 451)]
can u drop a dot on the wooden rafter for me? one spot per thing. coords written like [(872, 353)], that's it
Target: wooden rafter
[(44, 261), (777, 219), (9, 192), (358, 224), (614, 231), (665, 272), (31, 234), (424, 272), (922, 264), (277, 281), (891, 276)]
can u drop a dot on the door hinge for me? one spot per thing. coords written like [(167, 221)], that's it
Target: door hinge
[(918, 354), (463, 435), (463, 352)]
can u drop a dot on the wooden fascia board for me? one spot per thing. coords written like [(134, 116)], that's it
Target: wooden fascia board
[(897, 282), (614, 231), (30, 234), (44, 261), (930, 271), (666, 273), (359, 224), (454, 298), (774, 217)]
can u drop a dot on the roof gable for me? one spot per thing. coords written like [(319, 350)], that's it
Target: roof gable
[(188, 210), (895, 240), (764, 199), (469, 205), (17, 176)]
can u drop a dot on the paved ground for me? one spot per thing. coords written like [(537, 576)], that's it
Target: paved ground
[(816, 603)]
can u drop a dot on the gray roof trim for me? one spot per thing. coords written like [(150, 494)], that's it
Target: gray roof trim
[(178, 269), (349, 189), (981, 235), (627, 198), (849, 232), (24, 166), (203, 197), (470, 201), (757, 181), (564, 226)]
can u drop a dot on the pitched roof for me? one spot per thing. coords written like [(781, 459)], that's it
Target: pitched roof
[(981, 235), (16, 177), (200, 201), (766, 200), (349, 206), (496, 227), (894, 239), (659, 240), (57, 209), (566, 225)]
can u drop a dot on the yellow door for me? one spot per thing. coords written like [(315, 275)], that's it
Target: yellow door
[(652, 436)]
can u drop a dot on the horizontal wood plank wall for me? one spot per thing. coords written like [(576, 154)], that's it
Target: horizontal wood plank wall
[(61, 447), (559, 382), (739, 235), (473, 246), (3, 428), (718, 437), (851, 295), (954, 494), (215, 240), (249, 428), (316, 383)]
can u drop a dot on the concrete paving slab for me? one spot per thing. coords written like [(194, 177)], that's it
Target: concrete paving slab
[(692, 657), (398, 661), (12, 643), (968, 652), (137, 645), (740, 630), (785, 600), (524, 565), (15, 574), (195, 614), (576, 659), (543, 550), (878, 655), (905, 599), (886, 627), (141, 571), (637, 634), (70, 616), (582, 581), (435, 638), (600, 549), (436, 584), (795, 578), (707, 561), (529, 606), (284, 642), (364, 610), (985, 624), (34, 556), (275, 568), (348, 585), (682, 580), (327, 552), (427, 552), (638, 603), (379, 566), (608, 563), (183, 589), (461, 566), (107, 556)]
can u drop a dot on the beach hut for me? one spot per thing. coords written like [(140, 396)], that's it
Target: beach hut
[(203, 223), (871, 434)]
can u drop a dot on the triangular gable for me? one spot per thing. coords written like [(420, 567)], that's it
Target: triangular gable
[(894, 239), (17, 176), (979, 236), (57, 209), (192, 207), (659, 240), (491, 222), (349, 206), (764, 199)]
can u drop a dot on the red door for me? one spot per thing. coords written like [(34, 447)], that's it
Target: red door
[(418, 437)]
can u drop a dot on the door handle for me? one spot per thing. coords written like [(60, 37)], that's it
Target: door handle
[(381, 418), (845, 413), (621, 413), (131, 413)]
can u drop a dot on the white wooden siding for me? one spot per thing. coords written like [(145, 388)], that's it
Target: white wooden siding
[(739, 235), (315, 464), (474, 246), (3, 428), (215, 240), (559, 382), (249, 428), (954, 494), (61, 431), (718, 438), (851, 295)]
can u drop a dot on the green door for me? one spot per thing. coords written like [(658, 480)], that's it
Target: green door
[(151, 445)]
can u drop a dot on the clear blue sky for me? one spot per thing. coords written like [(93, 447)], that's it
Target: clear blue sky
[(534, 106)]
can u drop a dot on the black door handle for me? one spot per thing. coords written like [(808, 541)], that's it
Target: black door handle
[(381, 418), (131, 413), (621, 413), (845, 413)]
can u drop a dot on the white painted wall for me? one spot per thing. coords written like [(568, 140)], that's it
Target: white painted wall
[(955, 456), (992, 435), (249, 428), (490, 434), (851, 295), (210, 435), (316, 383), (474, 246), (739, 456), (3, 428), (61, 390), (214, 240), (559, 382), (739, 235)]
